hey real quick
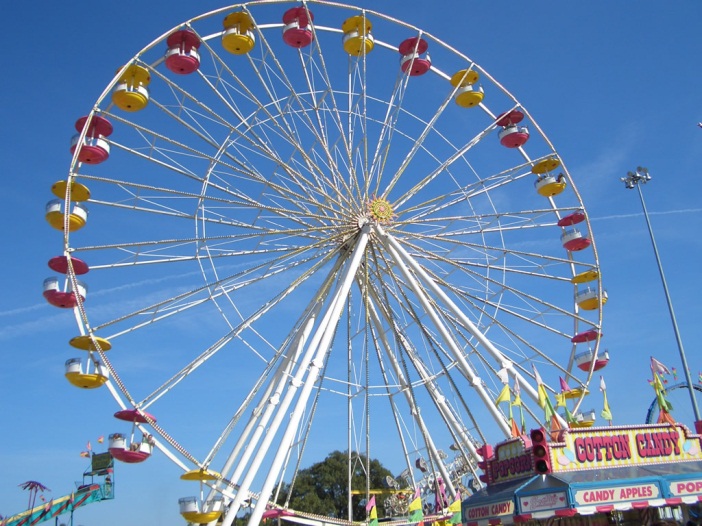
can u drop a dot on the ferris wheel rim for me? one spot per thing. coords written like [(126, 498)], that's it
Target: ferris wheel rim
[(411, 240)]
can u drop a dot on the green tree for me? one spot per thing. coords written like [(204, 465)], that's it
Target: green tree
[(322, 488)]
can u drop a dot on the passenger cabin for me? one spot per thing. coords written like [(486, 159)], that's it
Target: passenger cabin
[(198, 510), (182, 55), (94, 149), (573, 240), (127, 449), (238, 37), (415, 60), (94, 375), (195, 511), (131, 92), (357, 39), (512, 135), (548, 184), (467, 93), (63, 298), (584, 419), (297, 31), (584, 360), (588, 298), (77, 218)]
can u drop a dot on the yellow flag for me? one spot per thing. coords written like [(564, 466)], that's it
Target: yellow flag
[(415, 505), (505, 396), (543, 396)]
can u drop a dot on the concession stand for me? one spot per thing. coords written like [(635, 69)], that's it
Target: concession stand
[(637, 475)]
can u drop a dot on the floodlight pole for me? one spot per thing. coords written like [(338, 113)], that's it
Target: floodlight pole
[(635, 180)]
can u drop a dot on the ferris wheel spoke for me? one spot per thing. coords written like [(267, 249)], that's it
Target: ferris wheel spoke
[(525, 298), (448, 414), (248, 134), (446, 338), (198, 296), (234, 333), (417, 145), (460, 152), (426, 279)]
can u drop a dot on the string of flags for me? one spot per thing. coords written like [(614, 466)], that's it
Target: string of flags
[(87, 453), (552, 419), (664, 405)]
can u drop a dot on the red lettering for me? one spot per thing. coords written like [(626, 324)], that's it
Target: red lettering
[(600, 448), (660, 444)]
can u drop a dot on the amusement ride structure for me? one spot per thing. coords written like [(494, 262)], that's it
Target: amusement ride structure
[(316, 227), (98, 484)]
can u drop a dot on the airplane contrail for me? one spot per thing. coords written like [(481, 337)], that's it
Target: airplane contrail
[(640, 214)]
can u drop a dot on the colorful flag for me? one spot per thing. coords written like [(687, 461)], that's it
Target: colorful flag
[(518, 403), (415, 505), (541, 390), (517, 392), (85, 454), (101, 439), (88, 446), (504, 396), (455, 508), (606, 412), (564, 385), (416, 512), (663, 402), (372, 512), (658, 367)]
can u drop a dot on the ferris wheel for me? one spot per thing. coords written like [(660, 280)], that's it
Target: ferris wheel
[(316, 227)]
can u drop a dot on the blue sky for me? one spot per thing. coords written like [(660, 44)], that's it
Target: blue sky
[(613, 85)]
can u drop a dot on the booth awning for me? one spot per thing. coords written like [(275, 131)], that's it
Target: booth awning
[(492, 504), (543, 497), (682, 482), (585, 493)]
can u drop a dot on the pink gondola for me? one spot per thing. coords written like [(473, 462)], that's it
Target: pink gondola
[(60, 264), (586, 336), (584, 360), (511, 135), (572, 219), (415, 60), (182, 56), (297, 31), (95, 148)]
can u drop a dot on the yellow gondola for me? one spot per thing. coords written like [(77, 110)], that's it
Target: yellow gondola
[(467, 95), (357, 37), (84, 379), (131, 92), (238, 37)]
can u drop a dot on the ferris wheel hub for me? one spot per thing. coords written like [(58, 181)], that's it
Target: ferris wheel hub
[(380, 210)]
